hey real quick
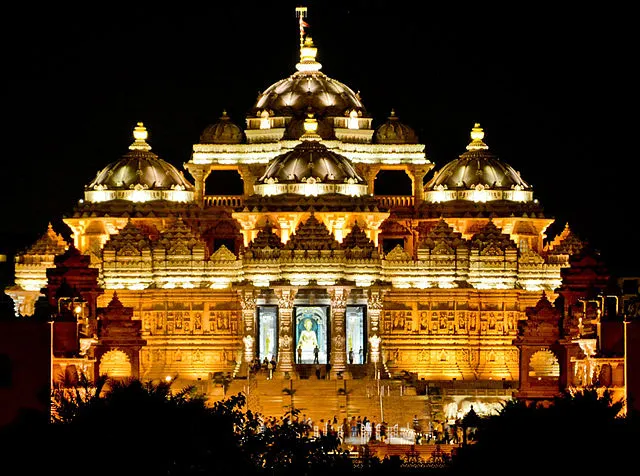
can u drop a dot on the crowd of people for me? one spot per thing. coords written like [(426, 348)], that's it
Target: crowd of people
[(354, 429), (358, 429)]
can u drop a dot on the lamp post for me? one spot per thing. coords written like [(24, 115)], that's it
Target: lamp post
[(51, 355), (625, 323)]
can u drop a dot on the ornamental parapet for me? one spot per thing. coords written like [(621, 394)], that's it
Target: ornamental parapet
[(395, 201), (224, 201)]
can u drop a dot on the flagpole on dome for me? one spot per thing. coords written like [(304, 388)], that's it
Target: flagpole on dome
[(301, 13)]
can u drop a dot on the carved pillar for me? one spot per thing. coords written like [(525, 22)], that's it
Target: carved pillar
[(248, 304), (374, 309), (417, 174), (248, 179), (338, 339), (199, 175), (286, 297), (369, 173)]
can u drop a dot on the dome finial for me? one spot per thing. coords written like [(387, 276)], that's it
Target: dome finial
[(477, 134), (140, 135), (310, 128)]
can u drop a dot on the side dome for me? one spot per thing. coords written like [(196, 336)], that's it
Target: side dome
[(308, 88), (477, 176), (139, 176), (394, 132), (310, 169), (225, 131)]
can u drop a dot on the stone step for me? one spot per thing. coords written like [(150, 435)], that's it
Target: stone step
[(326, 399)]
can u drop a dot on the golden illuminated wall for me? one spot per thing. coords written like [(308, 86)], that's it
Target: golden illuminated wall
[(438, 334), (447, 334), (189, 333)]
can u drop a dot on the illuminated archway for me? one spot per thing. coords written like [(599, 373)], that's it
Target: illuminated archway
[(115, 363), (543, 364)]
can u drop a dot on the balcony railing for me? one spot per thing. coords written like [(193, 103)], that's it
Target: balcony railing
[(395, 201), (226, 201), (236, 201)]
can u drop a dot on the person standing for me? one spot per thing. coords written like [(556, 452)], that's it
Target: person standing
[(270, 368), (299, 354), (272, 362), (351, 356), (316, 353)]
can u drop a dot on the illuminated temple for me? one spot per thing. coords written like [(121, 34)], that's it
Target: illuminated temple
[(443, 295)]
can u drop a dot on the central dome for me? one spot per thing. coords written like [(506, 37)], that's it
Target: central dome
[(308, 88), (139, 176), (310, 169)]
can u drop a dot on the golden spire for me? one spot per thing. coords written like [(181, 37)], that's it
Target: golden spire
[(477, 134), (301, 13), (140, 135), (308, 51)]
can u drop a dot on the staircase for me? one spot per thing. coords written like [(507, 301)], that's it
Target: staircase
[(327, 398)]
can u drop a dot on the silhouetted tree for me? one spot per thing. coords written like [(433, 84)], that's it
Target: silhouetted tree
[(577, 431), (145, 428)]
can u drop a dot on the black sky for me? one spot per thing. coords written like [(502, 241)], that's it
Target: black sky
[(552, 87)]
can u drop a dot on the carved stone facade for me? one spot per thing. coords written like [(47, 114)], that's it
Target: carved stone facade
[(439, 282)]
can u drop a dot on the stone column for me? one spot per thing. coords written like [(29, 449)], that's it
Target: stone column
[(284, 367), (199, 176), (338, 339), (374, 309), (248, 179), (369, 173), (417, 174), (248, 304)]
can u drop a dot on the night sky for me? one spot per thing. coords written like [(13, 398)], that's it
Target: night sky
[(552, 89)]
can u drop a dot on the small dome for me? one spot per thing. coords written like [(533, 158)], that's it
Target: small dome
[(395, 132), (311, 169), (139, 176), (308, 88), (477, 175), (224, 131)]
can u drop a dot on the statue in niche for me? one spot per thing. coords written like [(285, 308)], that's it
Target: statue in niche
[(308, 339), (424, 322), (492, 321)]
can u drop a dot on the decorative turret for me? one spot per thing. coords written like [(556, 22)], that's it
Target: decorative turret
[(117, 351), (490, 240), (312, 235), (394, 132), (222, 132), (266, 244), (543, 358), (441, 239), (563, 247), (493, 259), (357, 245)]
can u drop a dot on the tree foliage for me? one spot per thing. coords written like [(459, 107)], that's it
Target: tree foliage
[(147, 428), (579, 430)]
